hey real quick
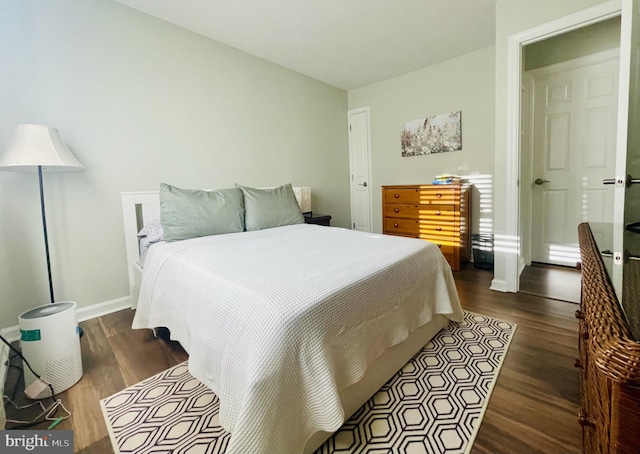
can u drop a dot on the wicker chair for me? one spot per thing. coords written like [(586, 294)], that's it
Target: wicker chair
[(609, 359)]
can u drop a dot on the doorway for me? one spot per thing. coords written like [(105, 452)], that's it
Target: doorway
[(568, 149), (551, 281), (568, 146), (360, 169)]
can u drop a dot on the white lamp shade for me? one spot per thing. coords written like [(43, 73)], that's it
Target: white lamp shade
[(36, 145)]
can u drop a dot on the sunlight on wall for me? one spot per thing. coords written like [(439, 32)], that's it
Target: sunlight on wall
[(506, 243), (565, 254), (484, 186), (486, 225)]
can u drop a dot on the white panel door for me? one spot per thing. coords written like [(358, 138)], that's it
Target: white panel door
[(574, 149), (628, 163), (360, 169)]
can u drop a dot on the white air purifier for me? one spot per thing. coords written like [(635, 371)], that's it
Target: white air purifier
[(50, 340)]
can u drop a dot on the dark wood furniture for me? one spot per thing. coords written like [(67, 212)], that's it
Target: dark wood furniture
[(434, 212), (318, 219), (609, 359)]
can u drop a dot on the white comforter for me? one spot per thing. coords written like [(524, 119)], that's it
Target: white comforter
[(277, 321)]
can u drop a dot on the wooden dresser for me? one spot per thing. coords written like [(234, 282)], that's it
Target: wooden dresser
[(609, 359), (437, 213)]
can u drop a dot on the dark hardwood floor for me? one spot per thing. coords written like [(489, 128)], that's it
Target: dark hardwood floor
[(551, 281), (532, 409)]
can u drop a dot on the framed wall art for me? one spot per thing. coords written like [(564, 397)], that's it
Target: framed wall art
[(435, 134)]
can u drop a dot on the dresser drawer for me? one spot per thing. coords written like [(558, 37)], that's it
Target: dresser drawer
[(439, 195), (419, 227), (407, 196), (401, 210), (435, 213), (446, 249), (444, 212), (418, 196), (401, 226), (445, 230)]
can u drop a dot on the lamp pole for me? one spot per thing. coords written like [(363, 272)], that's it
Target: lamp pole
[(46, 237)]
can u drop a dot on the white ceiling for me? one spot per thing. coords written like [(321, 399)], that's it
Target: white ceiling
[(345, 43)]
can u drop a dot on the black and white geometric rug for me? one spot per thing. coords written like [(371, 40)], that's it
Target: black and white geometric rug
[(434, 404)]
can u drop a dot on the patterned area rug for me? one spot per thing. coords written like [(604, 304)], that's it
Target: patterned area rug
[(434, 404)]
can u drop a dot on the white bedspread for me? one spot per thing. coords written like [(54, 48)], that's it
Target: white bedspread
[(277, 321)]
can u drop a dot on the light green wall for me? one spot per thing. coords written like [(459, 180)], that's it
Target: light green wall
[(465, 83), (515, 16), (584, 41), (140, 101)]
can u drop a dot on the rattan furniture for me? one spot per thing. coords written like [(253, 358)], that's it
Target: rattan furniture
[(609, 359)]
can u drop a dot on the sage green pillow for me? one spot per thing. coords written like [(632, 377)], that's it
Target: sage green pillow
[(191, 213), (266, 208)]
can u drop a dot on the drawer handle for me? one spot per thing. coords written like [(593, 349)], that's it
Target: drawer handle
[(579, 314), (395, 225), (577, 363), (396, 210), (584, 420), (438, 213), (438, 196), (397, 196), (438, 228)]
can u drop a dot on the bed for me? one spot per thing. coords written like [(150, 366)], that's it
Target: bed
[(293, 327)]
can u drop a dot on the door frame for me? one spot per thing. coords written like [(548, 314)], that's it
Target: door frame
[(367, 110), (514, 263), (527, 153)]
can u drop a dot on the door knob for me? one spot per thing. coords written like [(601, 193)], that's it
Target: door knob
[(631, 180), (363, 184), (540, 181), (621, 181)]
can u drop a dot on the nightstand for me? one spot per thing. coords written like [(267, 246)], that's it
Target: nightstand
[(318, 219)]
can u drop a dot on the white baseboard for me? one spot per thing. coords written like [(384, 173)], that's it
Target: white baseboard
[(521, 265), (498, 285), (12, 333), (97, 310)]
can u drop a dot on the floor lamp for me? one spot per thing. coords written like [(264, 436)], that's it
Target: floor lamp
[(39, 147)]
